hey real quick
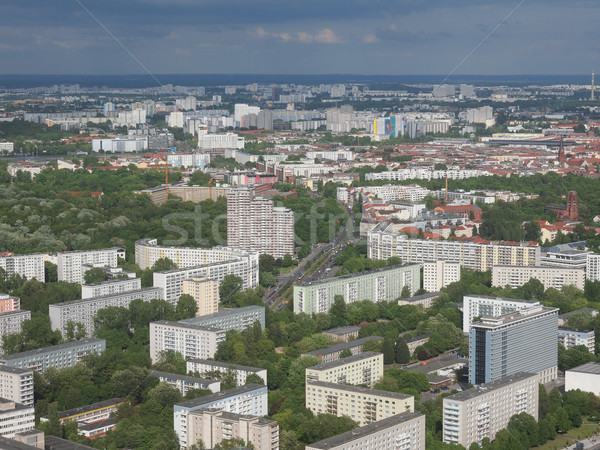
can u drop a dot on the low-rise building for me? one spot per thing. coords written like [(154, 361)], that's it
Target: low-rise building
[(209, 368), (425, 300), (212, 425), (59, 356), (360, 404), (362, 368), (564, 318), (415, 342), (402, 431), (585, 377), (231, 319), (190, 340), (342, 334), (550, 277), (90, 413), (480, 412), (185, 383), (333, 353), (16, 385), (571, 337), (249, 399)]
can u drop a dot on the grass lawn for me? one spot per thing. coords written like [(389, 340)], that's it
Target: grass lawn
[(284, 270), (556, 444), (582, 432), (570, 437)]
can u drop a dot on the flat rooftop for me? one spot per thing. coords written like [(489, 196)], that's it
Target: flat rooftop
[(187, 326), (92, 407), (513, 317), (439, 364), (593, 368), (344, 361), (221, 395), (485, 388), (355, 275), (342, 345), (362, 432), (339, 331), (225, 365), (52, 348), (175, 376), (359, 390), (80, 301), (225, 313), (14, 370)]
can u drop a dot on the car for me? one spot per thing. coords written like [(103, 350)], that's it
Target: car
[(444, 388)]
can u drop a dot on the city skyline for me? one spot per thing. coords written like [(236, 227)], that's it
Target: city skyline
[(145, 36)]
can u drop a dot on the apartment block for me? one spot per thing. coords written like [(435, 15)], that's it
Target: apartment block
[(480, 412), (550, 277), (362, 368), (59, 356), (377, 285), (592, 266), (16, 385), (205, 293), (250, 399), (212, 425), (571, 337), (439, 274), (231, 319), (185, 383), (28, 266), (360, 404), (520, 341), (383, 243), (15, 418), (189, 340), (112, 287), (253, 222), (207, 368), (85, 310), (9, 303), (342, 334), (333, 353), (69, 263), (12, 322), (93, 412), (484, 306), (416, 342), (585, 377), (402, 431)]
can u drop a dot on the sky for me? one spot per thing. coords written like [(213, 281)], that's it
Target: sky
[(370, 37)]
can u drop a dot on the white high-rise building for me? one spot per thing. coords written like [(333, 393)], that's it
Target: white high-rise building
[(255, 224), (175, 119), (227, 140), (241, 110), (69, 263), (189, 340), (484, 306), (29, 266), (16, 385)]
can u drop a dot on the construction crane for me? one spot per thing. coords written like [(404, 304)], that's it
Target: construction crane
[(210, 188)]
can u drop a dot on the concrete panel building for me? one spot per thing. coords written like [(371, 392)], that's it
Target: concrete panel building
[(9, 303), (207, 367), (185, 383), (425, 300), (342, 334), (253, 222), (402, 431), (28, 266), (69, 263), (212, 425), (333, 353), (189, 340), (249, 399), (59, 356), (112, 287), (231, 319), (16, 385), (585, 377), (571, 337), (480, 412), (205, 293), (502, 346), (360, 404), (439, 274), (194, 194), (550, 277), (482, 305), (383, 243), (15, 418), (85, 310), (377, 285), (12, 322), (362, 368)]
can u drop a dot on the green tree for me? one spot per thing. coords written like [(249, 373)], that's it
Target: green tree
[(338, 311), (232, 444), (51, 272), (401, 351), (53, 427), (164, 395), (95, 275), (533, 289), (266, 263), (405, 292), (163, 264), (254, 378), (74, 331), (387, 348), (230, 285), (532, 231), (186, 307), (345, 353)]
